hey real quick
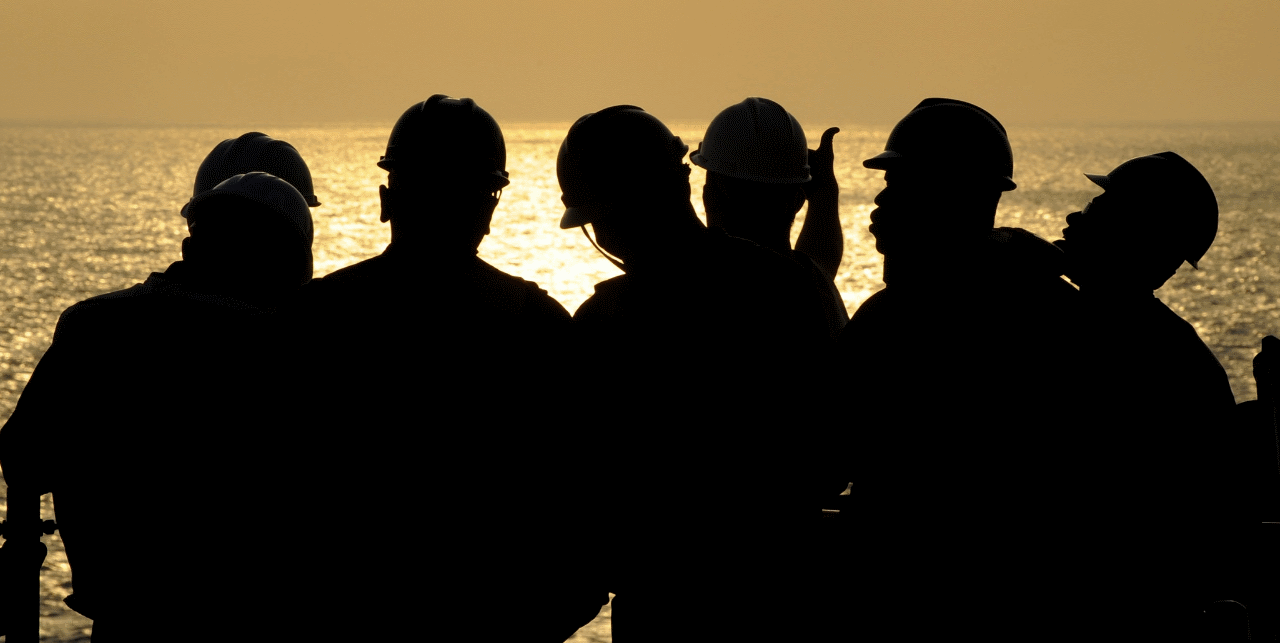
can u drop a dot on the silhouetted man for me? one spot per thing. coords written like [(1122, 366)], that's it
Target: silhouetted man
[(1169, 470), (758, 176), (444, 363), (704, 466), (960, 453), (158, 419)]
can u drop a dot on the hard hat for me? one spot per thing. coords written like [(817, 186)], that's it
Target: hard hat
[(276, 194), (755, 140), (450, 137), (617, 149), (1175, 186), (950, 136), (254, 152)]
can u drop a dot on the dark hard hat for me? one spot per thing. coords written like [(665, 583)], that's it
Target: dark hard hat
[(949, 136), (755, 140), (254, 152), (451, 137), (272, 192), (1173, 185), (619, 148)]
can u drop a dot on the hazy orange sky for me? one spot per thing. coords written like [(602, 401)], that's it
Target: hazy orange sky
[(294, 62)]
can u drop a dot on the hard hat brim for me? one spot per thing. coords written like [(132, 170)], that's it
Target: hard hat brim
[(699, 160), (500, 178), (890, 160), (576, 216), (882, 161), (312, 202), (1102, 180)]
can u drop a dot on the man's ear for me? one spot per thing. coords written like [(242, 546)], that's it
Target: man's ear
[(488, 205), (387, 208)]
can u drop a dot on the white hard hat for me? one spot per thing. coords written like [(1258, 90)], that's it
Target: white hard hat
[(755, 140)]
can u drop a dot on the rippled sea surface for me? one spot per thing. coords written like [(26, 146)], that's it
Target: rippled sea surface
[(88, 210)]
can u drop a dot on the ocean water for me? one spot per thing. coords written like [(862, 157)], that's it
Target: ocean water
[(88, 210)]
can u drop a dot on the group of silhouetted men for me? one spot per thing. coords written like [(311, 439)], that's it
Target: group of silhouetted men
[(423, 446)]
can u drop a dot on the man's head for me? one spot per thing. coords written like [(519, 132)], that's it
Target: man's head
[(446, 160), (621, 170), (946, 164), (253, 152), (1155, 212), (756, 157), (250, 236)]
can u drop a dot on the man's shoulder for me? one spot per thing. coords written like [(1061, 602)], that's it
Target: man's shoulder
[(871, 319), (349, 291), (1188, 357), (766, 274), (468, 278), (1173, 328), (384, 269), (753, 254), (517, 294), (874, 304), (485, 273), (108, 309), (825, 287), (1021, 258), (352, 275), (614, 285), (156, 285), (137, 294), (608, 299)]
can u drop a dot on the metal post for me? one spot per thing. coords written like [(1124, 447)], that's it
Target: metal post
[(22, 530)]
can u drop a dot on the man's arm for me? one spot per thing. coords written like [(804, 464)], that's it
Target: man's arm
[(821, 236), (32, 443), (25, 439)]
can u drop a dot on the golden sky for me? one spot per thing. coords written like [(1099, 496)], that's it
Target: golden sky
[(294, 62)]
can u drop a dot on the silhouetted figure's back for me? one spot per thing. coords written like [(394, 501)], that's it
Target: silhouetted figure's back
[(436, 386), (1170, 473), (685, 365), (158, 419), (759, 173), (955, 370)]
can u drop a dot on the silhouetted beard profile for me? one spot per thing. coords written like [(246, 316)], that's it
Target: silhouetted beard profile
[(964, 411), (1163, 403)]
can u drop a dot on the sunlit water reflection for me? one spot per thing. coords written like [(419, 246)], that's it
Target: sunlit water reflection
[(91, 210)]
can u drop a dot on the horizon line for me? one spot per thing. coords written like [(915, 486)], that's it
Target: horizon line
[(524, 123)]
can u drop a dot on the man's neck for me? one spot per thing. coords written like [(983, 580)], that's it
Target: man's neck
[(428, 251), (197, 279), (777, 239), (668, 248), (937, 266)]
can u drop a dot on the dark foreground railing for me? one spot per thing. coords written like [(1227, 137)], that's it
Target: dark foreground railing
[(21, 558), (1252, 614)]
